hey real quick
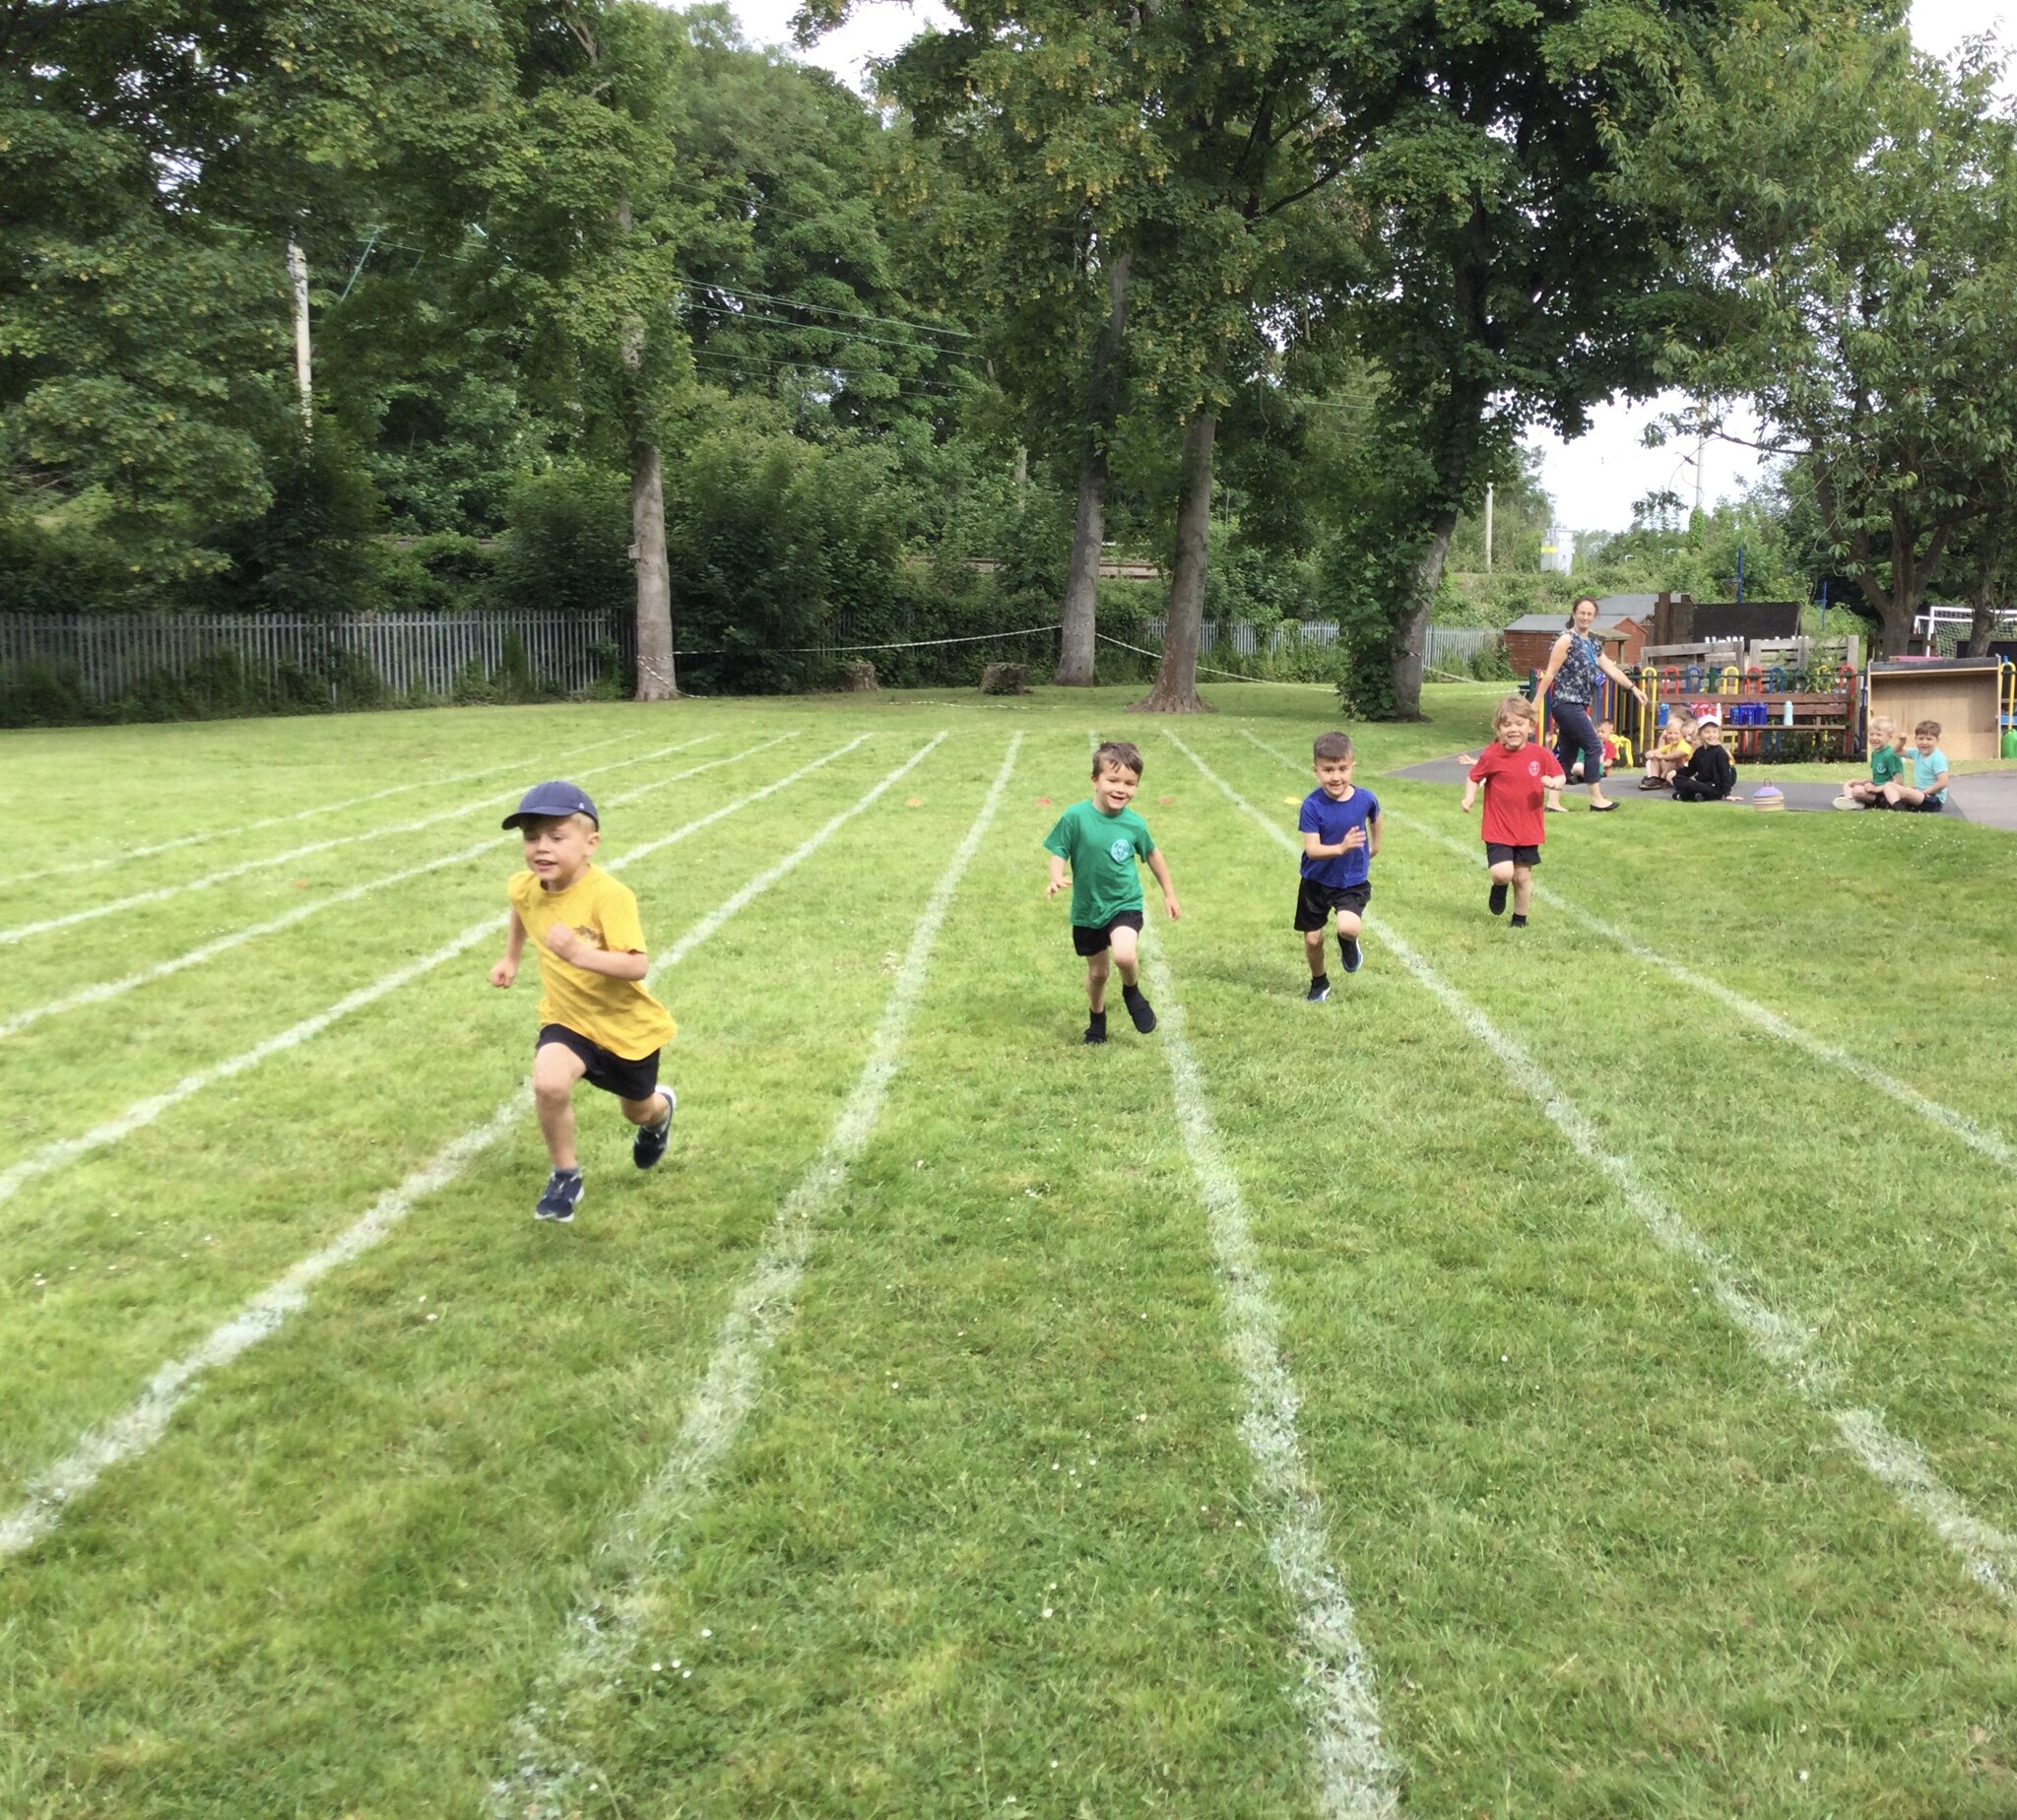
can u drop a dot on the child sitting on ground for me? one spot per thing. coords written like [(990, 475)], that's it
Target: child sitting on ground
[(1927, 791), (1616, 751), (1887, 762), (1676, 745), (1707, 776)]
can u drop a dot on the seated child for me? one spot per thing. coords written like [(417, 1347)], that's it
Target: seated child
[(1887, 762), (1615, 751), (1676, 744), (1927, 791), (1707, 776)]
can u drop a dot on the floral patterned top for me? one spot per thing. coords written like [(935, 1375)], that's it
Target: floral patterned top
[(1579, 678)]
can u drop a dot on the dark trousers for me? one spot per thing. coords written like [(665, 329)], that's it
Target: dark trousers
[(1574, 733), (1694, 790)]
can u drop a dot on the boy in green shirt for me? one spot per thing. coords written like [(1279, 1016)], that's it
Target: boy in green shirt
[(1100, 840)]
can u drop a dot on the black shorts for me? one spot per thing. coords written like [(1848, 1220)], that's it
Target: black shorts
[(1927, 805), (1315, 903), (631, 1081), (1497, 853), (1091, 941)]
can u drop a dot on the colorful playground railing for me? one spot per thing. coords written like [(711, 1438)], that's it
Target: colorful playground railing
[(1762, 710)]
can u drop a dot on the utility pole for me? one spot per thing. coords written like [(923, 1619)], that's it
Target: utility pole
[(1489, 489), (1700, 442), (297, 272)]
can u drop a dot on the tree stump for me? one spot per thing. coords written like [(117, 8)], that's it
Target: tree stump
[(858, 677), (1004, 680)]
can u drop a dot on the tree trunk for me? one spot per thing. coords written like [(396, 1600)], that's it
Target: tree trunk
[(656, 680), (1411, 636), (1176, 683), (1077, 648)]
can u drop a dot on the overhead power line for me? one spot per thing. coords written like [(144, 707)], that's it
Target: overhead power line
[(727, 316), (823, 309)]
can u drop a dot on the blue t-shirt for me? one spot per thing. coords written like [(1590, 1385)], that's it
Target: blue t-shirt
[(1330, 822), (1925, 770)]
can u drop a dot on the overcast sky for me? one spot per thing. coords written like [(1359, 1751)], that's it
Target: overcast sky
[(1594, 479)]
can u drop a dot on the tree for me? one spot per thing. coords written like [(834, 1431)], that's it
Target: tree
[(155, 161), (1040, 113), (1857, 200), (1520, 280), (580, 232)]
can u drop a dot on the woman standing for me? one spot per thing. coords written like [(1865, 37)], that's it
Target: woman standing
[(1569, 683)]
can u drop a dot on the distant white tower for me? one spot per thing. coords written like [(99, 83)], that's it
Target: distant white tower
[(1558, 549)]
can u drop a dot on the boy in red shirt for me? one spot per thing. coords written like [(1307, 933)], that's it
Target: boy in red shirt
[(1515, 772)]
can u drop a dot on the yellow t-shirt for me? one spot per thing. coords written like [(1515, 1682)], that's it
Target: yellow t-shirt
[(619, 1015)]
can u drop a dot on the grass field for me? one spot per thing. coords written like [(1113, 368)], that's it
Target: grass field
[(1566, 1374)]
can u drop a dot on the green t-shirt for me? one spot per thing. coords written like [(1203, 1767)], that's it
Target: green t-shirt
[(1886, 762), (1101, 850)]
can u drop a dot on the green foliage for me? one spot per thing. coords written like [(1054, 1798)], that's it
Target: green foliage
[(1700, 557), (570, 526), (310, 549), (1863, 289)]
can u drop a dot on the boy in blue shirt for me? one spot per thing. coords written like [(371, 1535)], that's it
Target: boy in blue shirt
[(1100, 840), (1341, 829), (1927, 791)]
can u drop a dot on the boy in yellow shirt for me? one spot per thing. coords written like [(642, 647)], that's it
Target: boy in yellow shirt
[(597, 1021)]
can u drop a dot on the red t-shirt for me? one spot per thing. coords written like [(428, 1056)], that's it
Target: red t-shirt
[(1514, 785)]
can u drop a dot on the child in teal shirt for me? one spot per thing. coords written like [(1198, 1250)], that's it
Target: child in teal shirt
[(1100, 840), (1927, 791)]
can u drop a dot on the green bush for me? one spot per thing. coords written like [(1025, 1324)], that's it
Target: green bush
[(570, 532), (314, 548)]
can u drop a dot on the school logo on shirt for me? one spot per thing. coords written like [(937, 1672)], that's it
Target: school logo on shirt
[(590, 937), (1534, 767), (1121, 849)]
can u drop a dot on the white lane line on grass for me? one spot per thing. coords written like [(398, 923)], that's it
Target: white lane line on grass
[(1355, 1775), (1977, 1137), (302, 815), (55, 1154), (52, 1492), (22, 930), (1989, 1553), (111, 989), (598, 1639)]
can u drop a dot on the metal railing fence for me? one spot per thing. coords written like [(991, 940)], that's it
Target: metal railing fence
[(113, 655)]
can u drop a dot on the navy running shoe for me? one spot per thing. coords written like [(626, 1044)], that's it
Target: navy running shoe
[(563, 1195), (650, 1143)]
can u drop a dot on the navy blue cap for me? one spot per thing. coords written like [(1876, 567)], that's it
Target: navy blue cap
[(553, 799)]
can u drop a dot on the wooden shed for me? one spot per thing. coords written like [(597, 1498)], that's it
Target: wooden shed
[(1531, 637), (1961, 694)]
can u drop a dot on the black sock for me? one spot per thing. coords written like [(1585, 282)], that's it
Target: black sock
[(1517, 920), (1318, 980), (1097, 1021)]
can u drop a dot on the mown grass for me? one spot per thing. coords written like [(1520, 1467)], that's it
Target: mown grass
[(1604, 1559)]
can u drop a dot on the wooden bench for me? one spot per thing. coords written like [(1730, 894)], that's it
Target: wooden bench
[(1826, 712)]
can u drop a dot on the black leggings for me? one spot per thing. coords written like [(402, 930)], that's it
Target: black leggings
[(1573, 733), (1694, 790)]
